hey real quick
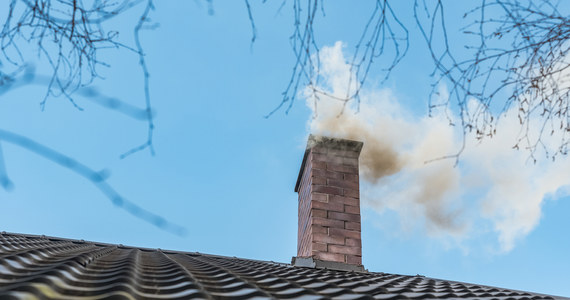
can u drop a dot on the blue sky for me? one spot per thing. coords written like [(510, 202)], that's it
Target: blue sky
[(226, 173)]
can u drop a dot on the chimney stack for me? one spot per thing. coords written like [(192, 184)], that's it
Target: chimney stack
[(329, 205)]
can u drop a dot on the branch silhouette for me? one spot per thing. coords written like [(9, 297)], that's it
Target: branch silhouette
[(383, 38), (520, 60), (97, 178), (68, 35)]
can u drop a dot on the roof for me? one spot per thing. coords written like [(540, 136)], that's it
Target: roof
[(40, 267)]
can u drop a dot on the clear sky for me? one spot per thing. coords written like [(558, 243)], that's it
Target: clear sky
[(226, 173)]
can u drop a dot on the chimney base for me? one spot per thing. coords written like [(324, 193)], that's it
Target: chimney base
[(310, 262)]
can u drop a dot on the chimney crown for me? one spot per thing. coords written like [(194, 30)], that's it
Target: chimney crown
[(338, 147), (329, 201)]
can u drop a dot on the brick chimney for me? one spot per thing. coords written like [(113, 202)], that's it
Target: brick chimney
[(329, 204)]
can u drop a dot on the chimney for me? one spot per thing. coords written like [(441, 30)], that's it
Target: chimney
[(329, 205)]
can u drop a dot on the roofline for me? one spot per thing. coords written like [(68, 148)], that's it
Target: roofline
[(496, 287), (256, 260), (121, 246)]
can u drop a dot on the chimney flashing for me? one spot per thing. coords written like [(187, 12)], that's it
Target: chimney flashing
[(313, 263)]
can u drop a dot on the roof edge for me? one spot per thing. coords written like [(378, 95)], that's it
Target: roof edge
[(102, 244)]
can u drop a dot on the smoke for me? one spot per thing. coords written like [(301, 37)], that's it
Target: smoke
[(402, 170)]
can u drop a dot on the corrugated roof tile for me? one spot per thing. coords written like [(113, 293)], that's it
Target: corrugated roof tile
[(37, 267)]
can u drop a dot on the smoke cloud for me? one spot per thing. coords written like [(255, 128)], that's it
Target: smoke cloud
[(492, 184)]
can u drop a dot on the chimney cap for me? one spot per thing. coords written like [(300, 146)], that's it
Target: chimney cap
[(329, 142)]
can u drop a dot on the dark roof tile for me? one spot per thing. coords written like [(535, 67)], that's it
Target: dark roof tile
[(53, 268)]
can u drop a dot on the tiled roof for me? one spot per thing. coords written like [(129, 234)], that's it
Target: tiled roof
[(38, 267)]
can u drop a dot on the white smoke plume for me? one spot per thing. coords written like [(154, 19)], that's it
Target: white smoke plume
[(492, 183)]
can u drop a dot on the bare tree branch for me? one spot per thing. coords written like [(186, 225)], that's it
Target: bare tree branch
[(97, 178), (5, 181), (68, 35), (383, 38), (144, 19), (520, 60), (252, 22)]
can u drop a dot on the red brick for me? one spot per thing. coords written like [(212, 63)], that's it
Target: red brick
[(322, 157), (343, 200), (353, 242), (319, 213), (319, 180), (319, 229), (344, 233), (303, 253), (351, 177), (327, 206), (352, 209), (319, 165), (327, 190), (341, 183), (329, 256), (345, 153), (330, 158), (323, 238), (346, 161), (343, 216), (319, 247), (345, 249), (341, 160), (352, 226), (354, 259), (328, 174), (342, 168), (328, 223), (351, 193), (319, 197), (349, 161), (319, 149)]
